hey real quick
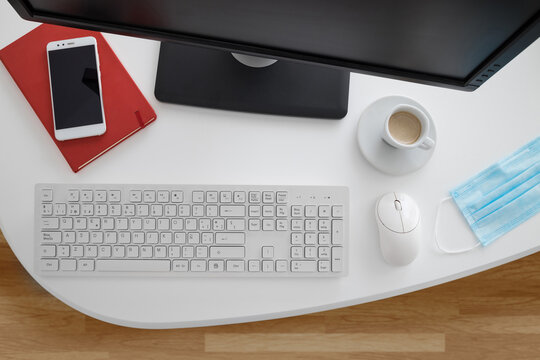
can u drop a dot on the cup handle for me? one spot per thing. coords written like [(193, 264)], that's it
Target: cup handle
[(427, 144)]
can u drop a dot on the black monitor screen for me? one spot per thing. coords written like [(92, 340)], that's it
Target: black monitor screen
[(442, 38)]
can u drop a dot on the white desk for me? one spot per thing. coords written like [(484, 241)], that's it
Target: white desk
[(188, 145)]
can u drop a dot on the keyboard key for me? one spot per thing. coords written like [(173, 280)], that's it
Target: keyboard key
[(114, 195), (163, 196), (87, 195), (225, 197), (224, 252), (180, 265), (177, 196), (212, 196), (47, 250), (90, 251), (77, 251), (254, 197), (133, 265), (68, 265), (297, 238), (281, 211), (138, 237), (268, 265), (239, 197), (73, 195), (324, 238), (337, 258), (268, 197), (281, 225), (324, 252), (198, 196), (281, 265), (83, 237), (115, 210), (296, 211), (146, 251), (104, 251), (51, 237), (254, 266), (198, 265), (310, 238), (174, 251), (254, 210), (49, 223), (267, 252), (337, 211), (268, 210), (310, 252), (232, 211), (324, 225), (310, 211), (68, 237), (46, 209), (297, 252), (236, 224), (101, 210), (160, 252), (201, 252), (60, 209), (66, 223), (254, 224), (324, 266), (268, 225), (49, 264), (303, 266), (187, 251), (324, 211), (85, 265), (101, 195), (235, 265), (135, 196), (149, 196), (73, 210), (132, 251), (281, 197), (216, 265), (211, 210), (297, 225), (337, 232), (46, 195)]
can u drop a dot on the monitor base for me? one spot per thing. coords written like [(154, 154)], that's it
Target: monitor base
[(211, 78)]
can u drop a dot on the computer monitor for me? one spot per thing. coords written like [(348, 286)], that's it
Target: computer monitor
[(458, 44)]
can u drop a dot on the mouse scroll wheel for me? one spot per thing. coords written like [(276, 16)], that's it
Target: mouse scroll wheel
[(397, 204)]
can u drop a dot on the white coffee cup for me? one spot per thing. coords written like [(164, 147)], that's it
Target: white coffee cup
[(407, 127)]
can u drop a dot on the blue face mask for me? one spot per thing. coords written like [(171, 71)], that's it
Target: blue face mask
[(502, 196)]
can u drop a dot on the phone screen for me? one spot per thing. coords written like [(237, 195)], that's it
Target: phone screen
[(75, 87)]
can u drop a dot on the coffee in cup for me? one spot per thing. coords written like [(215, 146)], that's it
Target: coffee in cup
[(407, 127)]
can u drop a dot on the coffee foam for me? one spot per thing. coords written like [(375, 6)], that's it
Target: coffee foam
[(405, 127)]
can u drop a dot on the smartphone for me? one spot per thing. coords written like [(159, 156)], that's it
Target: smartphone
[(76, 94)]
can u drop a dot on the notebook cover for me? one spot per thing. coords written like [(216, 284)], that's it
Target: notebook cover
[(126, 109)]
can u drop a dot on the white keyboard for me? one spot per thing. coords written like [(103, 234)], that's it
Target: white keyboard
[(191, 230)]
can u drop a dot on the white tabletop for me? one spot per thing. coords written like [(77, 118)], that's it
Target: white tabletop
[(188, 145)]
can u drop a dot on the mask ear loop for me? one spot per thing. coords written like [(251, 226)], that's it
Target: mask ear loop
[(459, 251)]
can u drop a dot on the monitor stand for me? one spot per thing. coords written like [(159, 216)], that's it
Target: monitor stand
[(198, 76)]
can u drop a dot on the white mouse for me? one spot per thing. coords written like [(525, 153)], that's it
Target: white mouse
[(398, 219)]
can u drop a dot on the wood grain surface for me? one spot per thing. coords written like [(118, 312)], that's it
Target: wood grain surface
[(492, 315)]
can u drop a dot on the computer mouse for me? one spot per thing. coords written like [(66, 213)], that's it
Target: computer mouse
[(398, 219)]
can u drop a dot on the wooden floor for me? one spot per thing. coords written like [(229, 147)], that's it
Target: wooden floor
[(492, 315)]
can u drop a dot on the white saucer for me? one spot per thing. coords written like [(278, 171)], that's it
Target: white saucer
[(381, 155)]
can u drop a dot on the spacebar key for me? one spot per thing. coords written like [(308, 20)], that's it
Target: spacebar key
[(133, 265)]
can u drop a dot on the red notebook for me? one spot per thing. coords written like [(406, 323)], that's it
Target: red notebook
[(126, 109)]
